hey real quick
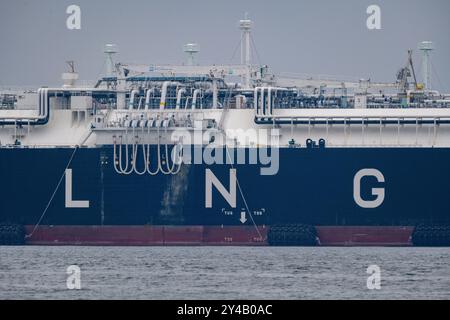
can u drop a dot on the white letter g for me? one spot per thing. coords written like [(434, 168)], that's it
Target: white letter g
[(378, 192)]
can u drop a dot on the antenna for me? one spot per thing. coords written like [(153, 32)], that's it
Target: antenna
[(191, 49), (245, 26), (110, 51), (426, 47)]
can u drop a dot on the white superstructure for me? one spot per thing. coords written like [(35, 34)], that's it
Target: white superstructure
[(149, 102)]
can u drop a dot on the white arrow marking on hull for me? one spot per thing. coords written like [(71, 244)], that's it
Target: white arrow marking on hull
[(243, 217)]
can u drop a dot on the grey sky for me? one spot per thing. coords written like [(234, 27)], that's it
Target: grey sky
[(300, 36)]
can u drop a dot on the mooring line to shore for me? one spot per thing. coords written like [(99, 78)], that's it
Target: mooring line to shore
[(242, 194), (53, 195)]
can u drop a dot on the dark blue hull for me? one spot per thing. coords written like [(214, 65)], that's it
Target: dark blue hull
[(313, 186)]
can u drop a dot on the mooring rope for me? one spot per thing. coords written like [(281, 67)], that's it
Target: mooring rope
[(242, 193), (53, 195)]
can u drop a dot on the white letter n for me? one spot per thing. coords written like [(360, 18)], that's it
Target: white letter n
[(211, 180), (71, 204)]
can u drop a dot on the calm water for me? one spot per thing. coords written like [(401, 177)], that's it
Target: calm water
[(223, 273)]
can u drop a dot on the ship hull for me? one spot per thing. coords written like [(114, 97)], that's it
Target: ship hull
[(312, 187)]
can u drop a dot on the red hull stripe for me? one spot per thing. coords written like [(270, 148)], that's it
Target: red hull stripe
[(207, 235), (147, 235)]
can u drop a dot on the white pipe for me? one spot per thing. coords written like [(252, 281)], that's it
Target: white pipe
[(179, 94), (133, 94), (147, 98), (43, 104), (270, 99), (263, 101), (255, 100), (194, 99), (166, 84), (214, 89), (46, 106), (41, 101), (259, 100), (187, 103), (437, 101)]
